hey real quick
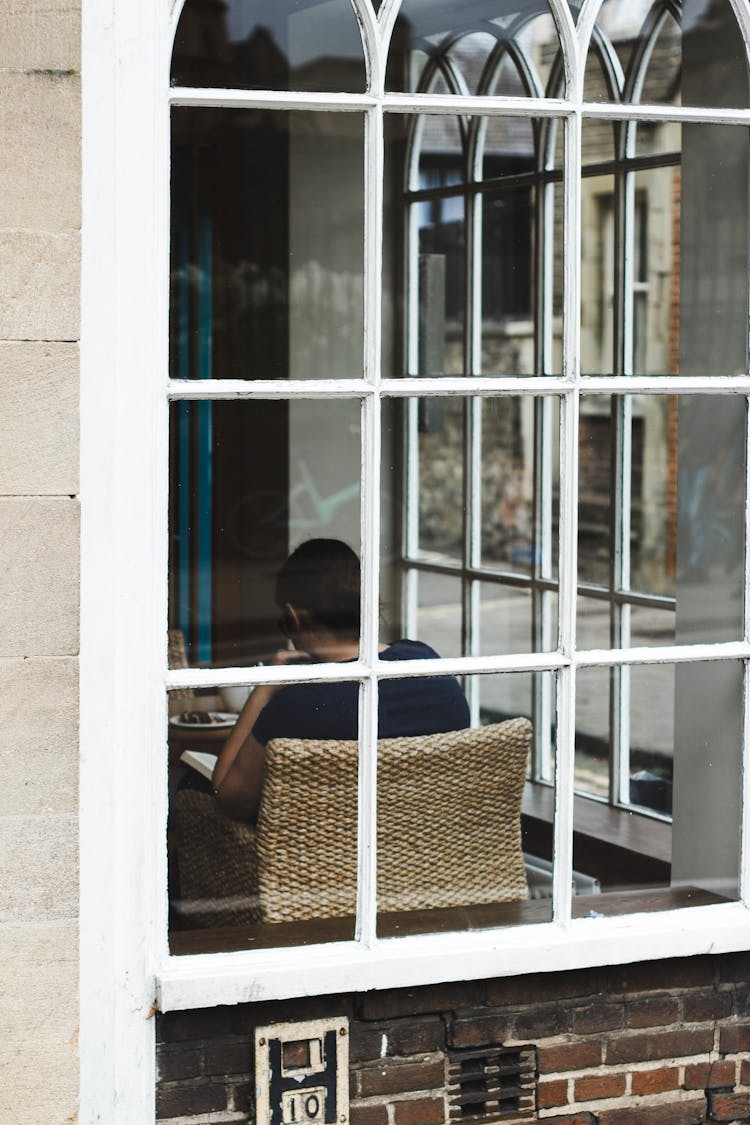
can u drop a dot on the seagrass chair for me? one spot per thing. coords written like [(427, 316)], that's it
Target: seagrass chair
[(449, 830)]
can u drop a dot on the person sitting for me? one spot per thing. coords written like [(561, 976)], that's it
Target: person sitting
[(318, 591)]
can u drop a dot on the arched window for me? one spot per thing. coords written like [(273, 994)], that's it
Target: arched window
[(465, 287)]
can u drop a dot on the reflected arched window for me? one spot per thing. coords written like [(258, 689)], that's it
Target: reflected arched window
[(268, 45)]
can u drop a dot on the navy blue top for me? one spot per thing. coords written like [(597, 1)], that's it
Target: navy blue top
[(422, 705)]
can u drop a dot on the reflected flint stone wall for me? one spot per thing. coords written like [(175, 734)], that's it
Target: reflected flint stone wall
[(714, 311)]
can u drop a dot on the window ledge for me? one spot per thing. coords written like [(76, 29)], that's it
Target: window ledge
[(615, 845)]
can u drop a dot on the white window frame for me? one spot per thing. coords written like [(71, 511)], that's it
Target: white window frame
[(126, 970)]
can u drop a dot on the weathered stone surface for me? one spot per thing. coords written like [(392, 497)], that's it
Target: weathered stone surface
[(40, 133), (39, 736), (42, 853), (39, 419), (39, 285), (40, 35), (39, 576), (38, 1023)]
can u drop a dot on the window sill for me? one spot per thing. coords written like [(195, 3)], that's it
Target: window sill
[(614, 845)]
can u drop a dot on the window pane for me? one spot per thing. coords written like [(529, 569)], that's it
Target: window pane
[(439, 613), (455, 851), (271, 878), (702, 63), (429, 35), (456, 240), (250, 481), (664, 284), (668, 543), (461, 529), (269, 44), (672, 758), (267, 258), (597, 270)]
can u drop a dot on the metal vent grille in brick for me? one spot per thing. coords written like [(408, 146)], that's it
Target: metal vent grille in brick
[(492, 1085)]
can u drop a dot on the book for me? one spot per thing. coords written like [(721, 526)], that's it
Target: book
[(200, 760)]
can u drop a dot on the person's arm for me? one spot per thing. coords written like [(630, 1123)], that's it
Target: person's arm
[(238, 773)]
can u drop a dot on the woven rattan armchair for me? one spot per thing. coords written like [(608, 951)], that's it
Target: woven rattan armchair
[(449, 830)]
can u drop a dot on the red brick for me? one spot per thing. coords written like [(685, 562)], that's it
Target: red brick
[(572, 1119), (392, 1077), (540, 1022), (736, 1037), (596, 1018), (546, 987), (658, 1012), (745, 1072), (691, 1112), (706, 1076), (659, 1045), (599, 1086), (569, 1056), (397, 1003), (696, 1076), (368, 1115), (200, 1023), (416, 1036), (656, 1081), (477, 1030), (714, 1006), (551, 1094), (244, 1095), (729, 1107), (232, 1058), (424, 1111), (174, 1065), (420, 1036), (663, 976), (182, 1101), (734, 967)]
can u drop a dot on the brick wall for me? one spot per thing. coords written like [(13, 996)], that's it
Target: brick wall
[(665, 1043)]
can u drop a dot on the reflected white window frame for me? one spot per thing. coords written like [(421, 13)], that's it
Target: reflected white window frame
[(126, 970)]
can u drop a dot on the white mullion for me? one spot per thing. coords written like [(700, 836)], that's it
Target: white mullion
[(452, 386), (183, 389), (290, 100), (745, 822), (217, 389), (471, 618), (623, 111), (478, 105), (568, 563), (621, 410), (566, 681), (183, 678), (366, 924)]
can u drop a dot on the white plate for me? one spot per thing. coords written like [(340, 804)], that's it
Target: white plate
[(221, 720)]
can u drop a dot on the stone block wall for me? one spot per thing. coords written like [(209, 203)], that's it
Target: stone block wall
[(39, 297), (662, 1043)]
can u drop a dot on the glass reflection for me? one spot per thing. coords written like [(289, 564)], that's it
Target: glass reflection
[(269, 44), (465, 210), (247, 882), (267, 258), (429, 36), (477, 567), (699, 60), (670, 755), (249, 482), (465, 836), (667, 553)]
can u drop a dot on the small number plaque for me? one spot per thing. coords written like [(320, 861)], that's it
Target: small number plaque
[(302, 1073)]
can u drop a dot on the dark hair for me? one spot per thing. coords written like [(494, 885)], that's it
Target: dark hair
[(321, 578)]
